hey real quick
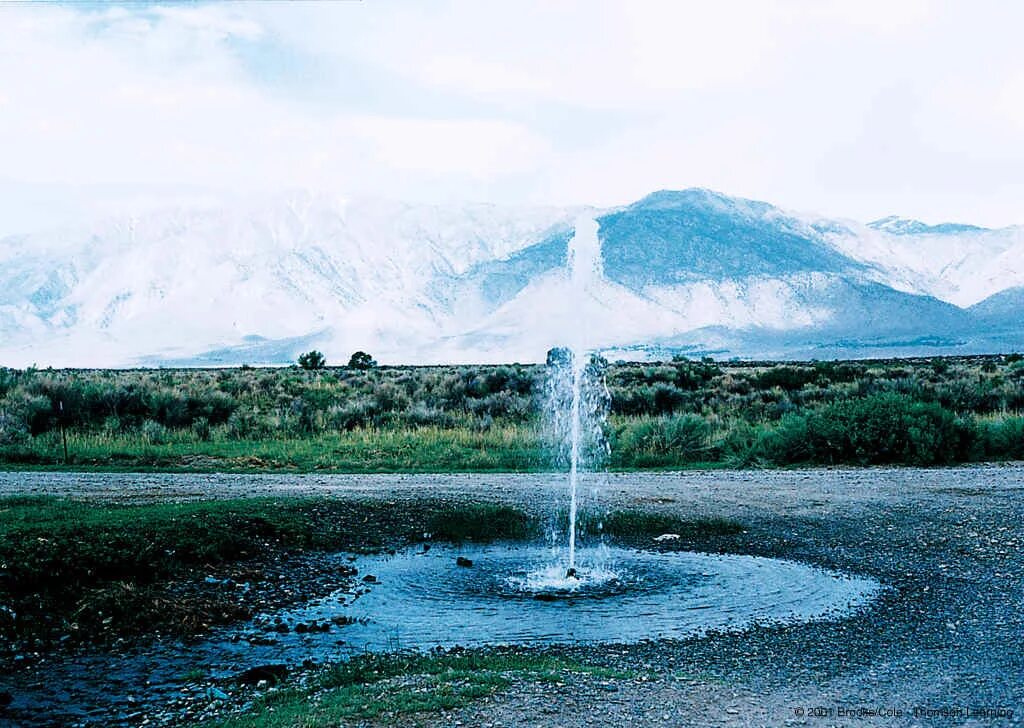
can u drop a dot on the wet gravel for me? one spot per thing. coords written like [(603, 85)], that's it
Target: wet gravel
[(942, 646)]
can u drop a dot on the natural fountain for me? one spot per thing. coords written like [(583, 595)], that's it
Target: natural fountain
[(508, 593), (584, 267), (577, 399)]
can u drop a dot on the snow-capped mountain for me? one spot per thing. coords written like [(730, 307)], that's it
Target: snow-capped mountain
[(693, 270)]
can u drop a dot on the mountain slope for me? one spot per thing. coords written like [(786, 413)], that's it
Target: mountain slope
[(1004, 310), (260, 280), (960, 264), (671, 237)]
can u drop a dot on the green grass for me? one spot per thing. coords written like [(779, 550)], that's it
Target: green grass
[(388, 686), (880, 434), (670, 414), (505, 448), (192, 676), (636, 525)]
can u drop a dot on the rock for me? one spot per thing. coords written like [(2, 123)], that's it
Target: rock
[(216, 694), (463, 561), (301, 628), (273, 674), (667, 537), (260, 641), (370, 579)]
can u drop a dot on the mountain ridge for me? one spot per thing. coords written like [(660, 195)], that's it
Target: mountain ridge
[(477, 282)]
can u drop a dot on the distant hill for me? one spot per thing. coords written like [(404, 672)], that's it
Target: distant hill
[(686, 271)]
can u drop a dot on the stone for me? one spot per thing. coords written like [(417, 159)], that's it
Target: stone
[(216, 694), (273, 674), (463, 561)]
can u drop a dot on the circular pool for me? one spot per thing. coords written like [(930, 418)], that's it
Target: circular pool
[(503, 594)]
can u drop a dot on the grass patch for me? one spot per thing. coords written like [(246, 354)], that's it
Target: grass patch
[(386, 686), (192, 676), (504, 448), (482, 523), (637, 525)]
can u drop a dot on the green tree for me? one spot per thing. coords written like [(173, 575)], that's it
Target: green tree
[(362, 360), (312, 360)]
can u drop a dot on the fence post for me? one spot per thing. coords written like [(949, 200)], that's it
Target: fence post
[(63, 432)]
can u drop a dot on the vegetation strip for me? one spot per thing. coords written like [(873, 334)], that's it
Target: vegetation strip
[(678, 414), (386, 686)]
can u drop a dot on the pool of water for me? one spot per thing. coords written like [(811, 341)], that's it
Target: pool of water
[(518, 595), (420, 599)]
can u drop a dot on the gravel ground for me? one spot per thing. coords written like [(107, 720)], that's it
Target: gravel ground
[(942, 646)]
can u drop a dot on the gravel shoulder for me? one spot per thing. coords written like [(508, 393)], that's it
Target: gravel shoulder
[(942, 646)]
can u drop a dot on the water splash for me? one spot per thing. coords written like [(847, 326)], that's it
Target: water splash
[(578, 398), (552, 580)]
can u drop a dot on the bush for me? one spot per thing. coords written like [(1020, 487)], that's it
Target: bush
[(666, 440), (352, 414), (250, 425), (13, 431), (361, 360), (787, 443), (312, 360), (201, 429), (154, 433), (1003, 439), (888, 428), (34, 412), (788, 378)]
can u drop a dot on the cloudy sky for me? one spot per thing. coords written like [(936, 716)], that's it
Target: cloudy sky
[(856, 109)]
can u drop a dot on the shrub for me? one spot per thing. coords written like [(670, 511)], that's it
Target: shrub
[(361, 360), (788, 378), (154, 433), (1003, 439), (664, 440), (13, 431), (312, 360), (888, 428), (250, 425), (201, 429), (785, 444), (354, 413), (35, 412)]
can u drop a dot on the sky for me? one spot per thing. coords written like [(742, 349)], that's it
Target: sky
[(849, 109)]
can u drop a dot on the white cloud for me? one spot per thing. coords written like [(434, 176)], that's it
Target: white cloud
[(856, 108)]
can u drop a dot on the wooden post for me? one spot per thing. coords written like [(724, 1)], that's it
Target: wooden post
[(63, 432)]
